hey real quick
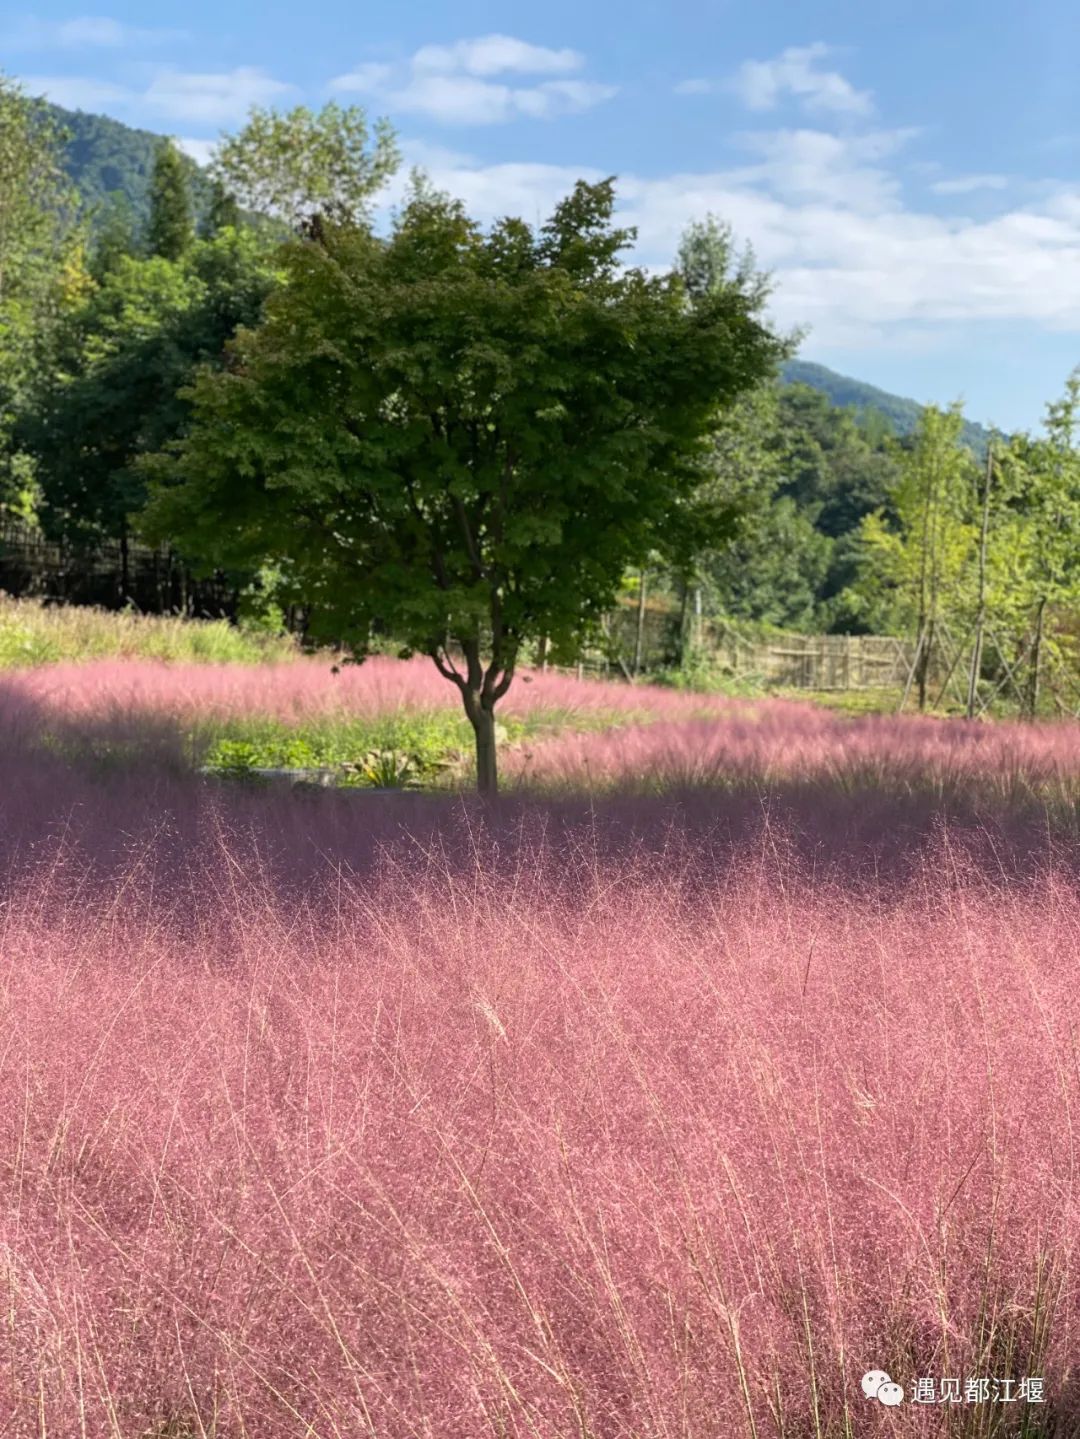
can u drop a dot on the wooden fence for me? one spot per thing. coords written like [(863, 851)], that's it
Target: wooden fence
[(816, 662), (105, 573)]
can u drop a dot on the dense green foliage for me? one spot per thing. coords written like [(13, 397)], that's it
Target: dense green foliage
[(299, 165), (381, 440), (805, 474), (39, 261), (122, 356)]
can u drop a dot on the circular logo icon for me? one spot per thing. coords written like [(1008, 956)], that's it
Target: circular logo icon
[(872, 1381)]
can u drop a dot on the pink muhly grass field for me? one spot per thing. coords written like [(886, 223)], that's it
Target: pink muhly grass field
[(459, 1150), (307, 688), (779, 741), (654, 739)]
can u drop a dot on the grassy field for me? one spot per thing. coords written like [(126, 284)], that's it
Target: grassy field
[(732, 1053), (33, 633)]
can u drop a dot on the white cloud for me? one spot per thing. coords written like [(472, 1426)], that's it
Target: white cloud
[(76, 92), (432, 157), (201, 151), (762, 84), (369, 77), (826, 216), (209, 98), (967, 184), (694, 87), (813, 164), (451, 83), (495, 55), (84, 32)]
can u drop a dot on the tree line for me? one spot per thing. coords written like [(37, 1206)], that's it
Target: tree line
[(474, 441)]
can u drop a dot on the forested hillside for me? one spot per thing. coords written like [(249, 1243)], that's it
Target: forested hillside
[(902, 415), (111, 164)]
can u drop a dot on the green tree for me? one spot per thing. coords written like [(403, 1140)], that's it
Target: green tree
[(40, 263), (295, 166), (171, 230), (115, 236), (741, 473), (835, 466), (124, 355), (1040, 545), (800, 475), (465, 438), (918, 572), (707, 264)]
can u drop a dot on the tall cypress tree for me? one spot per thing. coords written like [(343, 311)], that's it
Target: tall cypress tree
[(171, 230)]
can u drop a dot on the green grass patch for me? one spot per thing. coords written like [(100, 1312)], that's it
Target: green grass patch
[(434, 747), (34, 633)]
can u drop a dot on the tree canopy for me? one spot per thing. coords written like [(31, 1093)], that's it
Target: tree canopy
[(464, 437), (295, 165), (121, 357)]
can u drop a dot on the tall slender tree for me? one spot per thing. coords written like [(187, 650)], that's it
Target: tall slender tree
[(1045, 559), (171, 229), (924, 559), (981, 583)]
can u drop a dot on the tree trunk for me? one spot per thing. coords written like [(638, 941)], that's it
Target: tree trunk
[(682, 622), (125, 577), (912, 671), (980, 615), (639, 637), (924, 663), (541, 654), (483, 723), (1034, 678)]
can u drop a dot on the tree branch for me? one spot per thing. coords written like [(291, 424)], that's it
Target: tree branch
[(449, 669), (470, 542), (438, 563), (474, 669)]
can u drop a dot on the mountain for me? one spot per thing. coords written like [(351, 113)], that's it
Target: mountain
[(848, 394), (108, 161)]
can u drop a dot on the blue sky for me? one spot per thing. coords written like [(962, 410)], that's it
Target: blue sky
[(906, 170)]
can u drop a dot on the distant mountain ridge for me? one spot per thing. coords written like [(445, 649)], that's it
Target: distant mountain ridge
[(107, 160), (849, 394)]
